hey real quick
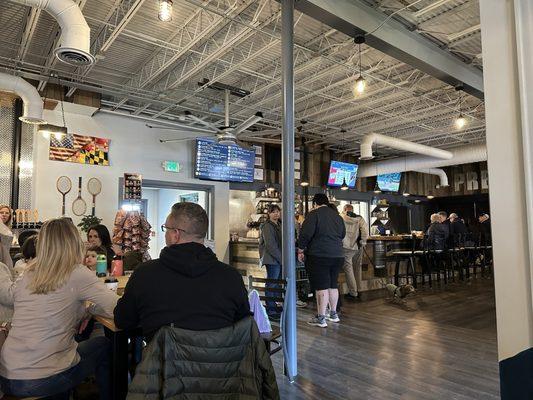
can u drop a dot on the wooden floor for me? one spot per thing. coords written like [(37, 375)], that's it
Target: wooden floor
[(440, 345)]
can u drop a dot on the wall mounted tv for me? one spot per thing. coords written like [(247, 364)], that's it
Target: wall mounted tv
[(217, 162), (389, 182), (338, 171)]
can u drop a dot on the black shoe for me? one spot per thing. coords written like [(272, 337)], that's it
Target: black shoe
[(351, 297)]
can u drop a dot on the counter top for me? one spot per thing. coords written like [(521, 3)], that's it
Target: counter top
[(391, 237), (245, 241)]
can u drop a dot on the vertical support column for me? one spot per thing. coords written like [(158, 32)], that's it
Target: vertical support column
[(15, 156), (507, 28), (287, 149)]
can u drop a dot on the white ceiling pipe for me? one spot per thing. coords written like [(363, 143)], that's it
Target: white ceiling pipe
[(399, 144), (461, 155), (33, 105), (75, 43), (443, 178)]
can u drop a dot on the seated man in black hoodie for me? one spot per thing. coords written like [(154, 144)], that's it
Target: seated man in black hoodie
[(186, 285)]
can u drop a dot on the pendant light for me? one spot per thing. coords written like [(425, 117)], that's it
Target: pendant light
[(377, 189), (360, 82), (165, 10), (405, 192), (460, 121), (57, 131), (304, 181), (344, 185)]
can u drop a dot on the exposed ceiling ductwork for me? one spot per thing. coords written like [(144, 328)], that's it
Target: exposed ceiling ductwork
[(75, 43), (33, 105), (399, 144), (460, 155), (443, 178)]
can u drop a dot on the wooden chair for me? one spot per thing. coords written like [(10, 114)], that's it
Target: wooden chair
[(273, 340)]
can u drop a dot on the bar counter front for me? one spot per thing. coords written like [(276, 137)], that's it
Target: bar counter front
[(244, 256)]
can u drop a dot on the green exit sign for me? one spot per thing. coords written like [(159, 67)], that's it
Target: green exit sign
[(171, 166)]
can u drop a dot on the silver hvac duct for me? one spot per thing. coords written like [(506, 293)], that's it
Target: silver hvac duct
[(460, 155), (75, 42), (399, 144), (33, 105), (443, 178)]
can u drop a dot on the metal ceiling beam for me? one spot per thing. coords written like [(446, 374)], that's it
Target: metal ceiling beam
[(467, 32), (233, 36), (353, 18), (29, 30), (431, 7), (189, 35), (119, 16)]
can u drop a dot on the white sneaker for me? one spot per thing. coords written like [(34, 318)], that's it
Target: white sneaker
[(333, 317), (319, 321)]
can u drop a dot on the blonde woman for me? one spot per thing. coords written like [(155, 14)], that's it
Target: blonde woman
[(6, 236), (40, 357)]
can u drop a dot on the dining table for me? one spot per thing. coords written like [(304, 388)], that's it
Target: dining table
[(119, 348)]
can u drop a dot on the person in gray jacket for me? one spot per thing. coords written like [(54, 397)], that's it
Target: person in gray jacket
[(270, 253), (354, 242)]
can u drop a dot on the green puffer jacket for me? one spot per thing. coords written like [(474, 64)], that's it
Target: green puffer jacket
[(225, 364)]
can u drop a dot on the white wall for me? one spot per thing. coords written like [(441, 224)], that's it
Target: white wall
[(133, 148)]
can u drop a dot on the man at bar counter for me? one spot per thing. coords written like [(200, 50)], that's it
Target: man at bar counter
[(186, 286)]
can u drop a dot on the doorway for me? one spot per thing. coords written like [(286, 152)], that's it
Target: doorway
[(158, 197)]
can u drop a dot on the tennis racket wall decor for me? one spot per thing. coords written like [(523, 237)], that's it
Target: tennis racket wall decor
[(79, 206), (94, 186), (63, 185)]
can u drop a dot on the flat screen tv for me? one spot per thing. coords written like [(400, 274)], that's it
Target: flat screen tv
[(217, 162), (390, 182), (338, 171)]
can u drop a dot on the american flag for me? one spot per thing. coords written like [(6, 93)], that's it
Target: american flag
[(68, 146)]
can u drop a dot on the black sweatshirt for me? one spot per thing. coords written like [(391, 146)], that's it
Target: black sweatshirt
[(186, 286), (322, 233)]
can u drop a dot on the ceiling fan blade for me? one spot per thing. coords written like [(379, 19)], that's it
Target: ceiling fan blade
[(176, 140), (196, 136), (264, 133), (186, 130), (201, 121), (248, 123), (244, 145)]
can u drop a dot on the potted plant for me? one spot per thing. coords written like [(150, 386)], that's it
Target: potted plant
[(87, 221)]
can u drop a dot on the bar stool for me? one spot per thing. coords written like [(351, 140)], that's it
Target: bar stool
[(409, 256)]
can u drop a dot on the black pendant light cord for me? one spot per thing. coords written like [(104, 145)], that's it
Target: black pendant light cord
[(360, 63), (62, 100)]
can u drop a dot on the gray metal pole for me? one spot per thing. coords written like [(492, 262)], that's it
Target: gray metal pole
[(287, 149)]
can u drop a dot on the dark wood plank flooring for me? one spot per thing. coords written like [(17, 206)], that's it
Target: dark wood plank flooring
[(441, 344)]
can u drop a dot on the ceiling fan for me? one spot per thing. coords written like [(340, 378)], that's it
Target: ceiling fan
[(226, 135)]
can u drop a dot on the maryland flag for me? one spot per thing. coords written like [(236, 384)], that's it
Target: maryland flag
[(80, 149)]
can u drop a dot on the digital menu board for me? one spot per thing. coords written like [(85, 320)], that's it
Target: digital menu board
[(389, 182), (219, 162), (340, 171)]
